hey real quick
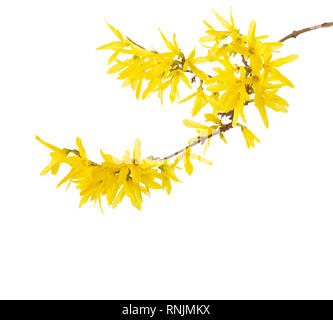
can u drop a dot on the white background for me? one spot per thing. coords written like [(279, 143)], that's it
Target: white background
[(256, 224)]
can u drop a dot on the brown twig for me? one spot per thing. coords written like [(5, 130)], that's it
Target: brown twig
[(245, 62), (294, 34), (129, 39), (200, 139)]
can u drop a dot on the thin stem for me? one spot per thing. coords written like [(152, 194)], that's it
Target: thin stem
[(129, 39), (201, 139), (294, 34)]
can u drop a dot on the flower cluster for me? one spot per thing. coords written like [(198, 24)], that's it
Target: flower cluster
[(158, 70), (244, 71), (116, 178)]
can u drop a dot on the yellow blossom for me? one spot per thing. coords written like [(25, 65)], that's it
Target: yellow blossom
[(201, 99), (215, 35), (234, 90), (58, 156), (171, 46), (266, 96), (249, 136), (270, 66), (131, 177), (190, 64)]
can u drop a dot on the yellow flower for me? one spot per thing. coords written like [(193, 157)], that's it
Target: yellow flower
[(212, 117), (190, 63), (266, 96), (117, 46), (58, 156), (187, 161), (78, 163), (201, 99), (135, 176), (171, 46), (249, 136), (234, 94), (254, 49), (114, 178), (270, 66), (167, 174), (214, 35), (175, 76), (159, 70)]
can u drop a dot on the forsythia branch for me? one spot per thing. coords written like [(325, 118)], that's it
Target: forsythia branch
[(227, 91), (199, 140)]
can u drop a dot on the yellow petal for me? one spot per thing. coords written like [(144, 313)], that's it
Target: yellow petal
[(282, 61), (187, 162), (122, 175), (69, 176), (82, 151), (48, 145), (194, 124), (235, 117), (224, 22), (277, 75), (116, 68), (48, 168), (185, 79), (111, 159), (207, 24), (118, 198), (199, 103), (84, 199), (202, 159), (174, 84), (178, 159), (138, 89), (111, 193), (174, 42), (223, 138), (207, 38), (207, 145), (263, 115), (249, 137), (137, 150), (115, 31), (113, 57), (170, 46), (114, 45), (251, 34), (188, 98), (213, 118), (200, 74), (133, 192), (126, 157), (232, 18)]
